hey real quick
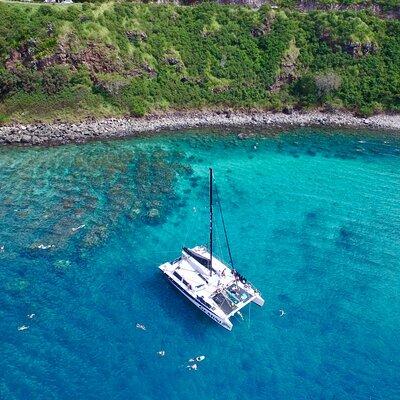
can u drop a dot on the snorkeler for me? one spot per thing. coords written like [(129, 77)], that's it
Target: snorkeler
[(77, 228), (198, 359), (23, 328)]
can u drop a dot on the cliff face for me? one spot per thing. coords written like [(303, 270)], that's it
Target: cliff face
[(130, 59), (383, 9)]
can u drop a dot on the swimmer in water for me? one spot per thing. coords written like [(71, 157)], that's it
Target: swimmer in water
[(198, 359), (30, 316), (45, 247), (1, 248), (77, 228), (23, 328), (281, 313), (161, 353), (141, 326), (193, 367)]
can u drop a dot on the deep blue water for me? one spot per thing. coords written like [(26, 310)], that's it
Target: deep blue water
[(313, 219)]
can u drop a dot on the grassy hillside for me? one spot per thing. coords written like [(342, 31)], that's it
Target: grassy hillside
[(115, 59), (384, 5)]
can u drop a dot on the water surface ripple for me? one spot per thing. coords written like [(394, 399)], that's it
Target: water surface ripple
[(313, 219)]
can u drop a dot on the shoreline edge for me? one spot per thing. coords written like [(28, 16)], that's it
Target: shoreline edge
[(62, 133)]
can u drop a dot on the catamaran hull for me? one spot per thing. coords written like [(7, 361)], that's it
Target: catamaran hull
[(224, 323), (258, 300)]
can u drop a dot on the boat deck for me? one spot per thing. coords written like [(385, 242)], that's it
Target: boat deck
[(224, 303), (211, 285), (222, 290)]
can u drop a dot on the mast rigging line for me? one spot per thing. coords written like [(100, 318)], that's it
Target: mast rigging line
[(223, 224), (211, 219)]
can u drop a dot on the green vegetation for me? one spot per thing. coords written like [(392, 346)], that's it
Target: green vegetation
[(114, 59), (385, 5)]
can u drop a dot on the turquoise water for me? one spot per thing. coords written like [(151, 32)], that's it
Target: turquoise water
[(313, 219)]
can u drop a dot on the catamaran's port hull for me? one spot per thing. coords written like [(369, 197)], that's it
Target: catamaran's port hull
[(258, 300), (224, 323)]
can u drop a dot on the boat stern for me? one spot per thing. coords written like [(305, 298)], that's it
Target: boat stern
[(227, 324), (258, 299)]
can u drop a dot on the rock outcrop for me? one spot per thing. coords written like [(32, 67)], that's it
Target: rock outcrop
[(42, 134), (288, 69)]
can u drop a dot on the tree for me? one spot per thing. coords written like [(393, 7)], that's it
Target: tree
[(327, 84)]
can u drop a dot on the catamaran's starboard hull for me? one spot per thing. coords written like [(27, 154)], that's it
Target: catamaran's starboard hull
[(224, 323)]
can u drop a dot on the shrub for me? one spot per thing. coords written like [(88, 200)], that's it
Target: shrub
[(327, 84), (81, 77), (8, 83), (3, 119), (111, 84), (55, 79), (138, 107), (27, 80), (306, 90)]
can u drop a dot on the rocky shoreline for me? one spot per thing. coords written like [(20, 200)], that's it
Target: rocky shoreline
[(62, 133)]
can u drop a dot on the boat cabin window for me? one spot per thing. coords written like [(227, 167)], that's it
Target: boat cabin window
[(200, 298)]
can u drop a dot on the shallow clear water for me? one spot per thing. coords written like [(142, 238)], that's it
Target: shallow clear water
[(313, 220)]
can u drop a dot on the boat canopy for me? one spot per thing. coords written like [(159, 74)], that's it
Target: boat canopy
[(205, 262)]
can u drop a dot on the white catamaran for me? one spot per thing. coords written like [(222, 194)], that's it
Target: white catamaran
[(218, 290)]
